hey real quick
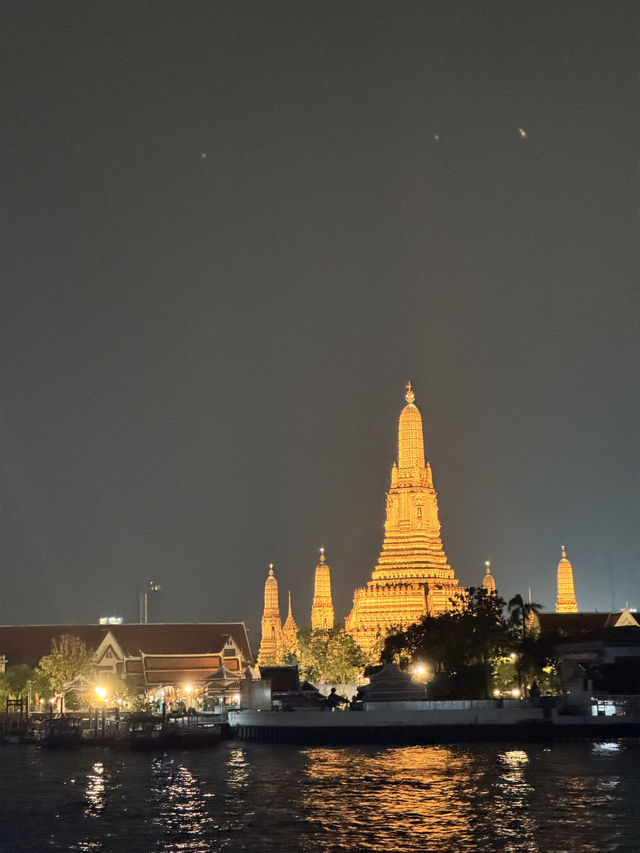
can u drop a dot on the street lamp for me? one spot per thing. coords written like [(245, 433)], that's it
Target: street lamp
[(420, 672), (144, 601)]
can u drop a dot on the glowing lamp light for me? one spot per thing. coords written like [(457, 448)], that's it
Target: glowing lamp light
[(515, 692), (420, 671), (496, 692), (512, 655), (101, 692), (188, 688)]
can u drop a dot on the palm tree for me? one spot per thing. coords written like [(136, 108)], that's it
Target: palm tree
[(520, 611)]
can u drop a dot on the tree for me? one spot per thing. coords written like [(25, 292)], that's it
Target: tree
[(460, 645), (537, 662), (22, 681), (329, 655), (521, 611), (69, 657), (535, 656)]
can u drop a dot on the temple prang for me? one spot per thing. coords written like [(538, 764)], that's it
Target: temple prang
[(271, 644), (488, 582), (566, 596), (412, 576), (322, 616)]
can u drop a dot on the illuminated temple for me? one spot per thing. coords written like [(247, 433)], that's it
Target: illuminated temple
[(271, 643), (280, 641), (322, 608), (566, 596), (412, 576)]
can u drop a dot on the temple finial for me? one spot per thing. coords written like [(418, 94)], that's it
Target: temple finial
[(270, 570), (487, 565), (322, 555), (290, 613), (564, 552), (409, 396)]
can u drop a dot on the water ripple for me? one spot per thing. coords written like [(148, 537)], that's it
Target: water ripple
[(254, 797)]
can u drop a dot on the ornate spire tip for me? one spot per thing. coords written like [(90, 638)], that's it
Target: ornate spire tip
[(409, 396)]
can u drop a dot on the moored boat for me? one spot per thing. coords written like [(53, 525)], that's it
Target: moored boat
[(150, 732)]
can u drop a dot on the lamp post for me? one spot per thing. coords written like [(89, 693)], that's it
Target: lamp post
[(144, 601)]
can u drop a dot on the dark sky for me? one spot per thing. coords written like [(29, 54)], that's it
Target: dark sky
[(233, 231)]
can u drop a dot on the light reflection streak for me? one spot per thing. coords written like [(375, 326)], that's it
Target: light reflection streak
[(512, 817), (182, 812), (604, 748), (236, 814), (95, 791)]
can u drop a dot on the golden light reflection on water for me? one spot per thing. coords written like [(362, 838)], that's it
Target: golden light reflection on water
[(411, 791), (577, 797), (416, 798)]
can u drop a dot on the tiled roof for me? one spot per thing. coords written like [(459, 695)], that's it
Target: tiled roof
[(573, 623), (29, 643), (610, 637)]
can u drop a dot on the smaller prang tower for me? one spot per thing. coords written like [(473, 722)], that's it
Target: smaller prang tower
[(290, 645), (566, 596), (271, 623), (489, 582), (322, 609)]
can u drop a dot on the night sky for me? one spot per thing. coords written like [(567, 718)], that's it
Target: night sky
[(232, 232)]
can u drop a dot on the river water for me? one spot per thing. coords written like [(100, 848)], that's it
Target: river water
[(257, 797)]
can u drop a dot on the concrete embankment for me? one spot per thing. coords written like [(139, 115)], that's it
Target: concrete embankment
[(419, 727)]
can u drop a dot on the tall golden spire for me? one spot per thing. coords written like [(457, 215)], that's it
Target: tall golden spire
[(289, 633), (410, 438), (271, 624), (566, 597), (489, 582), (322, 609), (412, 576)]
